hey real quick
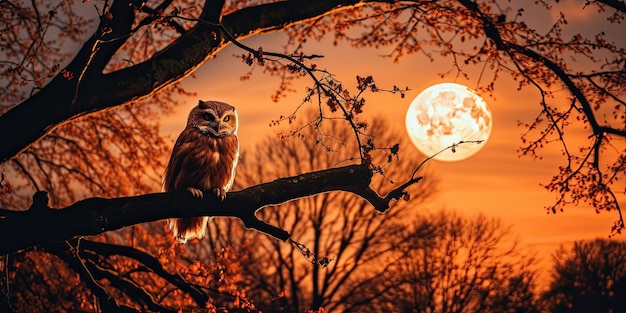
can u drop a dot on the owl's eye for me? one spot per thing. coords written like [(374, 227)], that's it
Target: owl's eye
[(209, 117), (227, 118)]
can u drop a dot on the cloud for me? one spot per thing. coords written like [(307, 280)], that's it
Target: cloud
[(574, 11)]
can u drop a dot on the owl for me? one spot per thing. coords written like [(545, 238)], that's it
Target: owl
[(204, 158)]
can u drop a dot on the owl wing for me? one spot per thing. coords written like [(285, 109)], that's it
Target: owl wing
[(175, 167), (229, 150)]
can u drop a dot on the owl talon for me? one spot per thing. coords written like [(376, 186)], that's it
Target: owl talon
[(196, 192), (220, 193)]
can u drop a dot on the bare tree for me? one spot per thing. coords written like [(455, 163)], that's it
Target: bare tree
[(451, 263), (338, 226)]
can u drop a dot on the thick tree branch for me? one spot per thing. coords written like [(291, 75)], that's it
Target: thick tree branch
[(130, 287), (42, 225), (69, 255), (111, 35), (618, 5), (82, 88), (63, 98), (93, 250), (277, 15)]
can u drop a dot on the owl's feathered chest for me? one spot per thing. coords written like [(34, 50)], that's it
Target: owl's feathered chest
[(202, 161), (208, 149)]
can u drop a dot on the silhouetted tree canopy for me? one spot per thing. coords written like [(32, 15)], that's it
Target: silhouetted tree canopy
[(143, 49), (450, 263), (589, 277), (81, 93), (338, 226)]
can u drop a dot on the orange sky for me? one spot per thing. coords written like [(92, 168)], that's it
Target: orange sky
[(494, 181)]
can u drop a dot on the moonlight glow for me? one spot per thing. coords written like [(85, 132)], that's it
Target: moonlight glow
[(445, 114)]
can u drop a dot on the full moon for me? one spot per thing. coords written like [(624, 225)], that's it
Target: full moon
[(446, 114)]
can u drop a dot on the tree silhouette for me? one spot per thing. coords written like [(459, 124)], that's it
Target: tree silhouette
[(451, 263), (80, 125), (175, 38), (339, 226), (139, 270), (591, 276)]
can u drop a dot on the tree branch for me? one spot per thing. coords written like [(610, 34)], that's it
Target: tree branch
[(618, 5), (62, 99), (129, 287), (92, 250), (68, 96), (69, 254), (43, 225)]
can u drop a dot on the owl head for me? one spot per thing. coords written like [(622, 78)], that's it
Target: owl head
[(213, 118)]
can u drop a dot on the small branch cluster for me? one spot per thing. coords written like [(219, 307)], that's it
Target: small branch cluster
[(330, 93)]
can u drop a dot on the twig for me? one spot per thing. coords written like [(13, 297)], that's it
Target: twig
[(452, 146), (310, 256)]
